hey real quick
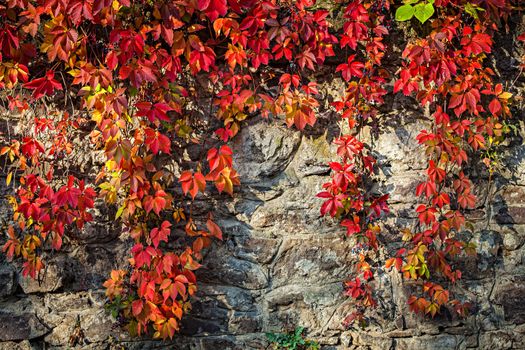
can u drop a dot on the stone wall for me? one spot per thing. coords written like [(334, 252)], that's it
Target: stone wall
[(281, 265)]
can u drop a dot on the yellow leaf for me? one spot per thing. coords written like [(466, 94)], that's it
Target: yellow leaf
[(116, 5), (9, 178), (119, 212), (241, 116), (505, 95)]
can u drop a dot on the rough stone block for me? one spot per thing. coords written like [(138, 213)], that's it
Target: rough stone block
[(510, 295), (7, 281), (20, 326)]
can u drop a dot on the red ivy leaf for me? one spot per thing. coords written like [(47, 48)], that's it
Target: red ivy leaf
[(220, 158), (214, 229), (332, 204), (348, 147), (154, 112), (213, 8), (160, 234), (192, 183), (156, 203), (156, 141), (352, 226), (136, 307), (44, 86), (426, 214), (351, 69)]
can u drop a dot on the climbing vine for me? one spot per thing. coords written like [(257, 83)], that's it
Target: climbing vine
[(134, 74), (348, 194), (446, 71)]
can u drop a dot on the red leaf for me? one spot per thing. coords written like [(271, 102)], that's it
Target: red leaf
[(156, 141), (214, 229), (354, 289), (136, 307), (156, 203), (495, 107), (80, 10), (426, 214), (435, 173), (428, 187), (160, 234), (349, 146), (225, 133), (417, 304), (212, 8), (352, 226), (440, 200), (351, 69), (290, 79), (142, 256), (44, 86), (466, 199), (220, 158), (332, 204), (153, 112), (112, 60), (192, 183)]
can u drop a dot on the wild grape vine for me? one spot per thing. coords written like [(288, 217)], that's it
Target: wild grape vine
[(133, 68)]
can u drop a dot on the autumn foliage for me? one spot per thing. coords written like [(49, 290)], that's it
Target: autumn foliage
[(133, 68)]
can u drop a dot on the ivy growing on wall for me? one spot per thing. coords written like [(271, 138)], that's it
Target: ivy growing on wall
[(132, 71)]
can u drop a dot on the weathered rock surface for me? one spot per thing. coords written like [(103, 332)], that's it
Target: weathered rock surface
[(20, 326), (7, 281)]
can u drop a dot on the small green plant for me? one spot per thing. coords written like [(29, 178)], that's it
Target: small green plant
[(291, 341)]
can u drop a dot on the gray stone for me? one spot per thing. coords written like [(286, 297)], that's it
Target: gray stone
[(263, 150), (511, 215), (372, 340), (510, 296), (255, 249), (438, 342), (397, 145), (313, 260), (312, 157), (245, 322), (227, 297), (21, 326), (23, 345), (7, 281), (232, 271), (496, 340), (306, 305), (67, 302), (50, 279), (512, 195), (98, 232)]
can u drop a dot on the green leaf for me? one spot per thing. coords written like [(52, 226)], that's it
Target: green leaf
[(424, 271), (133, 91), (423, 11), (472, 10), (404, 13), (119, 212)]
